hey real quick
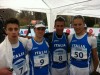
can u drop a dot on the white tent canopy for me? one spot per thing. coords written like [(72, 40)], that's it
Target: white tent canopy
[(55, 7)]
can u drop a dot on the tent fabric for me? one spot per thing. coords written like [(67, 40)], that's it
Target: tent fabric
[(33, 5), (55, 7)]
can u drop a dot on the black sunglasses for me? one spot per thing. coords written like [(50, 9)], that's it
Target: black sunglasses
[(41, 28)]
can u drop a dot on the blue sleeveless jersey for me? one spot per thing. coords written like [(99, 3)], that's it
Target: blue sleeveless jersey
[(58, 51), (39, 58), (19, 60), (80, 52)]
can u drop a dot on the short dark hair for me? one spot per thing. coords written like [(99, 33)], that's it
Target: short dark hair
[(78, 17), (60, 19), (12, 21)]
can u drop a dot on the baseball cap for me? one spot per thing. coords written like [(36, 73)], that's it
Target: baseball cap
[(39, 25)]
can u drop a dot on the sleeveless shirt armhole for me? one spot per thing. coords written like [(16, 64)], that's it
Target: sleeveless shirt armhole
[(23, 41), (92, 41)]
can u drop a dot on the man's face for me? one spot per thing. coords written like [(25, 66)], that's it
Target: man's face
[(59, 26), (12, 30), (78, 26), (39, 32)]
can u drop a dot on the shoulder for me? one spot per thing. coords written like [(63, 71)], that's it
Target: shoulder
[(46, 43), (92, 41), (46, 35), (66, 34), (70, 37), (91, 38), (29, 44), (23, 40), (3, 44), (2, 48), (29, 41)]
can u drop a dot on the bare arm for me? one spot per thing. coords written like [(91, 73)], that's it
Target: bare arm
[(5, 71), (95, 58)]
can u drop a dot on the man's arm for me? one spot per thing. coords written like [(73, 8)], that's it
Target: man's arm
[(48, 37), (5, 71), (95, 58), (69, 40)]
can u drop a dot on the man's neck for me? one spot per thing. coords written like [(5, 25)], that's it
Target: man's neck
[(13, 41), (59, 36), (38, 39), (81, 33)]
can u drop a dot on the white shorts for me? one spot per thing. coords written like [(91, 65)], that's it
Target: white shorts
[(78, 71), (62, 71)]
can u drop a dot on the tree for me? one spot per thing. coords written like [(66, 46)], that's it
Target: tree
[(90, 21)]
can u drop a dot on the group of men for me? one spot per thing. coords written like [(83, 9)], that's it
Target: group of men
[(55, 53)]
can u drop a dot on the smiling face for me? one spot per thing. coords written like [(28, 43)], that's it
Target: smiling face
[(12, 30), (78, 25), (39, 32)]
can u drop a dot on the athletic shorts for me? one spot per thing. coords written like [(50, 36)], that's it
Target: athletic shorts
[(79, 71), (62, 71)]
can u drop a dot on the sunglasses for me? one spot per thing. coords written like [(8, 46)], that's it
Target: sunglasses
[(41, 28)]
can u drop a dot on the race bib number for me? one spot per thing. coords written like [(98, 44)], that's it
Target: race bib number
[(41, 60), (20, 67), (79, 53), (59, 55)]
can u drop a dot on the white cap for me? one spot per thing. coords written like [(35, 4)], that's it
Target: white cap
[(39, 25)]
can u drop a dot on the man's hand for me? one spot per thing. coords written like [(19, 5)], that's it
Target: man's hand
[(5, 71), (95, 73), (90, 34)]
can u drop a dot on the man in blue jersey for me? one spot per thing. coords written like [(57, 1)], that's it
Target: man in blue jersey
[(58, 48), (38, 50), (12, 51), (83, 49)]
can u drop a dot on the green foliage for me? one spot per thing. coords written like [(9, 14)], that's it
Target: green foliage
[(90, 21), (25, 17), (96, 26)]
